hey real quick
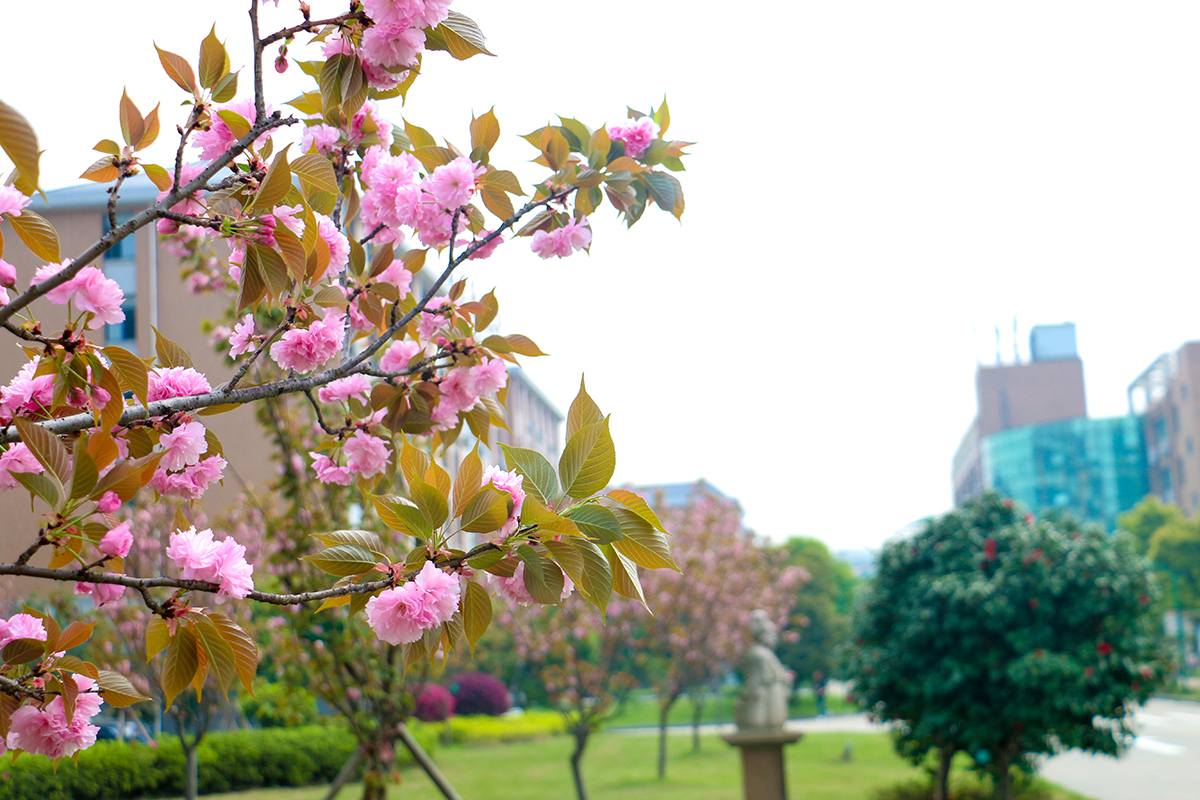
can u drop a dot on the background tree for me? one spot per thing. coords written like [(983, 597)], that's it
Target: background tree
[(1005, 638), (701, 609), (819, 622)]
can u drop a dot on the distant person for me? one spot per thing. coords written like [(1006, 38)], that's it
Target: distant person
[(819, 691)]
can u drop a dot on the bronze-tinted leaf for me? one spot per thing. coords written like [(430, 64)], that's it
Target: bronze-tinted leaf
[(132, 125), (169, 353), (132, 371), (177, 69), (244, 650), (101, 171), (118, 692), (47, 448), (477, 613), (20, 144), (38, 235), (214, 62)]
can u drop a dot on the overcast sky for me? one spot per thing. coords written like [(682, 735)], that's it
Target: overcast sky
[(876, 187)]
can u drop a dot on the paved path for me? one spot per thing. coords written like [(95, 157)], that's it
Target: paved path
[(1163, 764), (841, 723)]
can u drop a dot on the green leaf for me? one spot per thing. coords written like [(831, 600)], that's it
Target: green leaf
[(177, 69), (523, 345), (540, 480), (625, 576), (238, 125), (467, 481), (662, 189), (402, 516), (414, 463), (183, 660), (84, 476), (487, 511), (588, 461), (20, 144), (636, 504), (642, 544), (487, 558), (583, 411), (477, 613), (37, 234), (132, 370), (491, 309), (365, 539), (226, 88), (485, 131), (597, 578), (459, 35), (41, 486), (596, 522), (118, 692), (343, 560), (158, 176), (433, 503), (22, 651), (46, 448), (78, 666), (272, 268), (169, 353), (245, 652), (214, 63), (548, 587), (219, 652), (275, 184), (158, 637)]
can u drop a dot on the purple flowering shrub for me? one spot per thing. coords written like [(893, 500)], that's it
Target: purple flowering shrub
[(434, 703), (479, 693)]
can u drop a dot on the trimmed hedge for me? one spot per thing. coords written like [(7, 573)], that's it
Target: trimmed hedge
[(229, 761), (481, 729)]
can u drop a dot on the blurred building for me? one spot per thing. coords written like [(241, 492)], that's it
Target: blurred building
[(1031, 438), (1171, 425)]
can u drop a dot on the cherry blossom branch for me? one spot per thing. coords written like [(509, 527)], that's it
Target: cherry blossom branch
[(308, 26), (371, 235), (187, 219), (291, 385), (260, 103), (143, 218), (184, 133), (246, 364), (321, 417), (122, 173)]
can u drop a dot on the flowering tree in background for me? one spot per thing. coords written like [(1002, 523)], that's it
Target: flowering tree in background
[(1004, 637), (702, 599), (89, 427)]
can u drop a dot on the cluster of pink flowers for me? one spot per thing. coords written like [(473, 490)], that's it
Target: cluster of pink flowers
[(45, 731), (515, 590), (101, 593), (190, 205), (183, 446), (393, 43), (21, 626), (168, 382), (15, 459), (507, 482), (27, 393), (118, 540), (192, 481), (343, 389), (462, 387), (562, 242), (199, 557), (367, 121), (12, 201), (401, 614), (395, 197), (305, 349), (89, 290), (339, 245), (399, 354), (241, 340), (218, 138), (636, 136), (366, 455)]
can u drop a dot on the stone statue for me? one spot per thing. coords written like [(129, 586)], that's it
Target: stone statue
[(766, 683)]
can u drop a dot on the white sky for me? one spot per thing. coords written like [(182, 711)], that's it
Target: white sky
[(876, 186)]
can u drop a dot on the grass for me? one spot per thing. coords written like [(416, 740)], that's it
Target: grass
[(641, 710), (621, 765)]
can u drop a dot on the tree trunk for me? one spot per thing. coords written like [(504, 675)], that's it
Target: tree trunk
[(1003, 777), (581, 736), (697, 712), (344, 775), (192, 784), (941, 781), (664, 710), (426, 763)]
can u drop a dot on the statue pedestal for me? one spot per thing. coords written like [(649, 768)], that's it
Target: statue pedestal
[(763, 774)]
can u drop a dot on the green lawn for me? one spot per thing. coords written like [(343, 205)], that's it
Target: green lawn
[(641, 710), (620, 766)]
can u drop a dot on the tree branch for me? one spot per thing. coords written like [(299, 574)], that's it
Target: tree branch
[(311, 25)]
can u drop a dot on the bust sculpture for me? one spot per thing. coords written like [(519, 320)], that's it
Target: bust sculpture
[(766, 683)]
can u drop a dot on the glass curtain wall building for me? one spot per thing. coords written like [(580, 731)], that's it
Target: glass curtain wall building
[(1093, 468)]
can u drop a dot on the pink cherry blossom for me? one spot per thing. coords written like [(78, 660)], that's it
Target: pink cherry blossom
[(366, 455), (400, 615), (339, 245), (21, 626), (12, 201), (398, 355), (16, 459), (101, 593), (191, 205), (306, 349), (379, 126), (636, 136), (485, 251), (328, 471), (60, 295), (219, 138), (379, 78), (242, 337), (335, 45), (458, 388), (397, 276), (430, 323), (453, 184), (108, 503), (183, 446), (199, 557), (25, 392), (489, 377), (45, 731), (515, 590), (117, 541), (8, 274), (343, 389), (192, 482), (168, 382), (445, 415), (560, 243), (324, 138), (507, 482), (100, 296), (392, 45), (291, 217)]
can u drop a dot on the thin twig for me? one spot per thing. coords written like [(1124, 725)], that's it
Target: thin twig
[(259, 99), (371, 235), (114, 190), (321, 417), (311, 25), (245, 366)]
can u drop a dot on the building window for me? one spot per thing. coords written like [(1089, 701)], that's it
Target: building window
[(120, 264)]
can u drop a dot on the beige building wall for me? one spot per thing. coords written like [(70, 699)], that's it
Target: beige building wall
[(1171, 425)]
